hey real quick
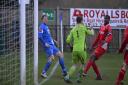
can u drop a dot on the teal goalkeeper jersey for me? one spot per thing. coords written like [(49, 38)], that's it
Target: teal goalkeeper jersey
[(78, 36)]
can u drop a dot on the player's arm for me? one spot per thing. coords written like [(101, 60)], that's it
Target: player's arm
[(56, 42), (96, 41), (41, 31), (109, 35), (124, 43), (89, 31), (108, 38), (69, 39)]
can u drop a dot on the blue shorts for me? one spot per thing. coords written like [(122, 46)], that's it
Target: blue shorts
[(52, 50)]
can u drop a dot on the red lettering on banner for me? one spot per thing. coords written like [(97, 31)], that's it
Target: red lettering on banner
[(97, 13), (122, 14), (77, 13), (85, 13), (91, 13)]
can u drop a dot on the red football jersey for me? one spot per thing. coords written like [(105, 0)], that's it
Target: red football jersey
[(125, 40), (104, 35)]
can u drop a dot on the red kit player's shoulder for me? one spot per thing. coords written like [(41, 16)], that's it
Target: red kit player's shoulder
[(109, 26), (126, 31)]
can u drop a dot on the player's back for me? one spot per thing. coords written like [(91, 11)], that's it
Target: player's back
[(79, 35)]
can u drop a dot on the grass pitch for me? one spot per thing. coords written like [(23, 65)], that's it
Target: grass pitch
[(109, 66)]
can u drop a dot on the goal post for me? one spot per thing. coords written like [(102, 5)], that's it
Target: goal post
[(35, 42), (18, 42), (22, 43)]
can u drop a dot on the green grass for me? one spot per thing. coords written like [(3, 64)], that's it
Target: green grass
[(109, 66)]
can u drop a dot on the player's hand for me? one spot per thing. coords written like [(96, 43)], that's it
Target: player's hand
[(47, 45), (105, 46), (53, 58), (56, 43), (90, 25)]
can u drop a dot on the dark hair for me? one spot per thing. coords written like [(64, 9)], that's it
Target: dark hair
[(107, 17), (79, 19), (42, 17)]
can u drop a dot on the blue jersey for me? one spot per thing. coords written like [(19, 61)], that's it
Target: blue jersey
[(45, 35)]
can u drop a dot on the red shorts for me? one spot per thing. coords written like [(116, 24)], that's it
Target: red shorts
[(98, 52), (126, 57)]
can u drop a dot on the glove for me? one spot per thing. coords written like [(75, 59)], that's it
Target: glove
[(47, 45)]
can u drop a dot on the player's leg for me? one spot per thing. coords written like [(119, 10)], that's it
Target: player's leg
[(61, 60), (74, 61), (95, 55), (74, 66), (123, 69), (95, 68), (121, 74), (82, 59), (89, 64), (62, 64), (50, 57), (98, 53)]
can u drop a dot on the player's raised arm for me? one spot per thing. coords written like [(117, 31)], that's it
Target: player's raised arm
[(90, 31)]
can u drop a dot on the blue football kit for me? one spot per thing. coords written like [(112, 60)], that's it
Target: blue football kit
[(45, 37)]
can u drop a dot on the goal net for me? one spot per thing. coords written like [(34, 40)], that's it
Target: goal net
[(10, 42)]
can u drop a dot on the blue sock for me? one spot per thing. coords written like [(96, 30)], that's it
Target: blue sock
[(61, 62), (47, 65)]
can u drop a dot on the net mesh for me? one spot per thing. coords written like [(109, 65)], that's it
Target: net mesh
[(10, 42)]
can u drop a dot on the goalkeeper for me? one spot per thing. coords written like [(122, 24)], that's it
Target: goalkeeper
[(78, 36)]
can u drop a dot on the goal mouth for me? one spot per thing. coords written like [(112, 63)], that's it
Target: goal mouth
[(10, 39)]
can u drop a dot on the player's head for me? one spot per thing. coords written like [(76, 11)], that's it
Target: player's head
[(106, 19), (79, 19), (44, 18)]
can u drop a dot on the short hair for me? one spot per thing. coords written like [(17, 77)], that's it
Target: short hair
[(42, 17), (107, 17), (79, 19)]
